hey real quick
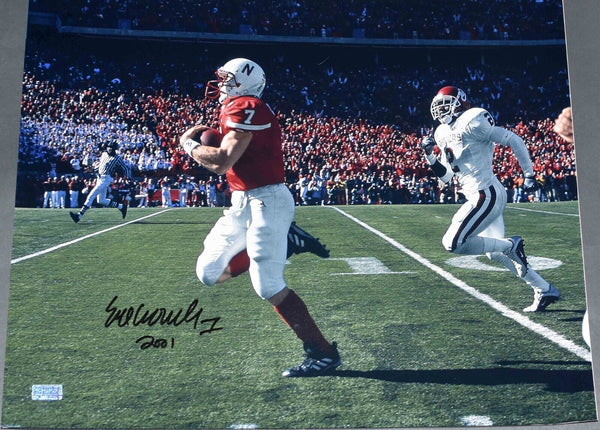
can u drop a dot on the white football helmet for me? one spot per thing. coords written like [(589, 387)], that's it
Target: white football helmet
[(448, 103), (237, 77)]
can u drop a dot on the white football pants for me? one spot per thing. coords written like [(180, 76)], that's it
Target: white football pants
[(99, 191), (478, 228), (257, 221)]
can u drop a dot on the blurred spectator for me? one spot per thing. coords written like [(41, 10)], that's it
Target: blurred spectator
[(355, 140), (47, 189), (439, 19), (165, 189)]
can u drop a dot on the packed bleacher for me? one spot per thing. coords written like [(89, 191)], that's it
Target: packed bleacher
[(439, 19), (352, 128)]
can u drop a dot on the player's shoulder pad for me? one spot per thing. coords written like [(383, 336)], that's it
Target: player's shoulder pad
[(476, 114), (441, 131), (247, 113), (477, 121), (242, 102)]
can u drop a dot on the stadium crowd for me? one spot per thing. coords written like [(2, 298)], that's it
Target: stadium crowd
[(441, 19), (351, 133)]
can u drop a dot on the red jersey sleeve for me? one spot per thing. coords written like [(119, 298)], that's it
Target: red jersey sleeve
[(262, 162)]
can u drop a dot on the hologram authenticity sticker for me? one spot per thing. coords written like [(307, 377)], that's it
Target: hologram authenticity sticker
[(46, 392)]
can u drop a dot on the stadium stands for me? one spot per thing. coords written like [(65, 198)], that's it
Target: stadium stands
[(352, 119), (440, 19)]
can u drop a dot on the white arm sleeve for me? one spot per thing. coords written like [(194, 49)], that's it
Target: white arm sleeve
[(508, 138)]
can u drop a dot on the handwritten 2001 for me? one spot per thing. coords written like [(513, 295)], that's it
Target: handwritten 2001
[(139, 315)]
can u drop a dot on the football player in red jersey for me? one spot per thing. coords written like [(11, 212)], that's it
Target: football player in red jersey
[(253, 233)]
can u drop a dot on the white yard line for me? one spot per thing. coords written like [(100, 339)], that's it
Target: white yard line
[(541, 212), (501, 308), (79, 239)]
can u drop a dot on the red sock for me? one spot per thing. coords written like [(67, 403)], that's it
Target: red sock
[(295, 314), (239, 263)]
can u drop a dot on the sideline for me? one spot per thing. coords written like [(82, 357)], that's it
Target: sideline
[(541, 211), (71, 242), (501, 308)]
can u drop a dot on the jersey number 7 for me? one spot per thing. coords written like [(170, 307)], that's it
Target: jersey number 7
[(250, 113)]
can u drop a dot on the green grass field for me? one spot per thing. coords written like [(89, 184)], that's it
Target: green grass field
[(418, 349)]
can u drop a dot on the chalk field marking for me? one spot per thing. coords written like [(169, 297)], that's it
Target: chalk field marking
[(366, 266), (501, 308), (478, 262), (79, 239), (476, 421), (542, 212)]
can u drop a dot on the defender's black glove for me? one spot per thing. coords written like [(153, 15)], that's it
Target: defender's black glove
[(530, 184), (428, 143)]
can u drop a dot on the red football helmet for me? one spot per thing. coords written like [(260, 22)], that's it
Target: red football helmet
[(449, 103)]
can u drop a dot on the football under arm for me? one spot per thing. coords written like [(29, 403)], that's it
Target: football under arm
[(221, 159), (509, 138)]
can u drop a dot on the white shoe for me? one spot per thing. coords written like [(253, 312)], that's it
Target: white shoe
[(542, 300)]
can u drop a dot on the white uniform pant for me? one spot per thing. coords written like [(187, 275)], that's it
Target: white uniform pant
[(166, 197), (62, 198), (99, 191), (481, 215), (74, 199), (55, 199), (47, 199), (257, 221)]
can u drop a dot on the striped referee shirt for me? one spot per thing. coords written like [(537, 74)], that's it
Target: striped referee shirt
[(111, 164)]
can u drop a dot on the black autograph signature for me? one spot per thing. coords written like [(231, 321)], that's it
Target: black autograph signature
[(148, 341), (140, 315)]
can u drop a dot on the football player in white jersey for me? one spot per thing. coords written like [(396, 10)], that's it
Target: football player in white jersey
[(466, 138)]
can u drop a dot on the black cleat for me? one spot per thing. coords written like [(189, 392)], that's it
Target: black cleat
[(315, 364), (300, 241), (123, 209), (75, 217)]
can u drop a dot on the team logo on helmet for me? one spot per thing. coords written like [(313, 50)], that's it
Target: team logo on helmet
[(449, 103), (237, 77)]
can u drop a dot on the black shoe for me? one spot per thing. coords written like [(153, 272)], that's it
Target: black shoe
[(315, 364), (75, 217), (124, 209), (300, 241)]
